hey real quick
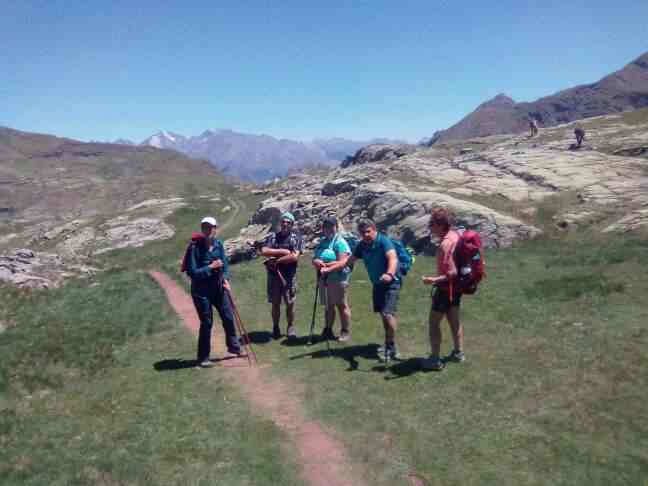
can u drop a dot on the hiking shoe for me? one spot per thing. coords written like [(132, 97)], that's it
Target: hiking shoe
[(455, 357), (206, 363), (276, 332), (344, 336), (291, 332), (235, 351), (327, 334), (389, 353), (432, 364)]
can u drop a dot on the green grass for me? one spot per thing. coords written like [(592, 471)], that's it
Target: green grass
[(83, 403), (553, 392)]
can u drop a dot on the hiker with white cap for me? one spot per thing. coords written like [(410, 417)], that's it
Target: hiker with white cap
[(282, 250), (206, 264)]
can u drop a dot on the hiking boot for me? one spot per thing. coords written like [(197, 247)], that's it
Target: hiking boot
[(344, 336), (235, 351), (206, 363), (389, 353), (455, 357), (432, 364), (291, 332), (328, 335), (276, 332)]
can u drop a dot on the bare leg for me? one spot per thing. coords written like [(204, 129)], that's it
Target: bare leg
[(390, 324), (435, 333), (276, 313), (456, 327), (330, 316), (290, 314), (345, 316)]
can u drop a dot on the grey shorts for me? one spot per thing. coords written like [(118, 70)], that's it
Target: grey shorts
[(333, 293), (278, 292), (385, 298)]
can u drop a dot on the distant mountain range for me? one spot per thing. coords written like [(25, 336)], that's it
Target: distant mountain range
[(257, 158), (626, 89)]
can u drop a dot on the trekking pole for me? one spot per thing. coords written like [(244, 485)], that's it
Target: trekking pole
[(247, 343), (252, 357), (312, 326), (329, 328), (282, 279), (328, 343)]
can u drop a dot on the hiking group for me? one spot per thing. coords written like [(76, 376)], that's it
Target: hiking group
[(459, 262)]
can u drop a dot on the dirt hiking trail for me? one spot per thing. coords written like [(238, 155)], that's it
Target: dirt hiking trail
[(324, 459)]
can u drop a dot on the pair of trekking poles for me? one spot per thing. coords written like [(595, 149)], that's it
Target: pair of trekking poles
[(244, 339), (284, 284), (312, 326)]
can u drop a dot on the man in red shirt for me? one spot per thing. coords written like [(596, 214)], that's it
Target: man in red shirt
[(445, 302)]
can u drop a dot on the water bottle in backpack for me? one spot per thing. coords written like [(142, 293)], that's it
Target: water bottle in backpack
[(469, 261)]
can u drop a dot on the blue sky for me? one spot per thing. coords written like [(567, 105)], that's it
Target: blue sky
[(296, 69)]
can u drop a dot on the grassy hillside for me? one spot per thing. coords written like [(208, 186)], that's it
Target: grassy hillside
[(47, 181), (553, 391)]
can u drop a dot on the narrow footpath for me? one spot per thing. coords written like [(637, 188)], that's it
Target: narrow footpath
[(324, 459)]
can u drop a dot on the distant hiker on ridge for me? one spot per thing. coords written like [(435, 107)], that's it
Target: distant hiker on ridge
[(206, 264), (380, 257), (533, 126), (282, 250), (579, 133), (330, 260)]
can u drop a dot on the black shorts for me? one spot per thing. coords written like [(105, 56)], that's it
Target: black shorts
[(385, 298), (441, 300)]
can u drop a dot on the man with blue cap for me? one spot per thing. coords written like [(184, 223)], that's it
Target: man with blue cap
[(282, 250), (206, 265), (330, 260)]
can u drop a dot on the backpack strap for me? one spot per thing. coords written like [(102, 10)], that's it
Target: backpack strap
[(333, 241)]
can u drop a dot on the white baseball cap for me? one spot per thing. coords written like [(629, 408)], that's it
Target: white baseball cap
[(209, 220)]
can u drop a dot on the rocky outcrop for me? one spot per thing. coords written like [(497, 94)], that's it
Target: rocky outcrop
[(478, 185), (73, 242), (25, 268), (378, 152)]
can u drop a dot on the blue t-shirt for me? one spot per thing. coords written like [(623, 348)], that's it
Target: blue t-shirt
[(340, 246), (374, 256)]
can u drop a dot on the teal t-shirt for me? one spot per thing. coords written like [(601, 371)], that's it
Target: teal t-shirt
[(339, 246), (374, 256)]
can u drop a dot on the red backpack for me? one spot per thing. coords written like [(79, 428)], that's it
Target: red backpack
[(196, 238), (469, 260)]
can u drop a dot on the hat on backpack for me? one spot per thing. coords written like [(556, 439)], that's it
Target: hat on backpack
[(328, 256)]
